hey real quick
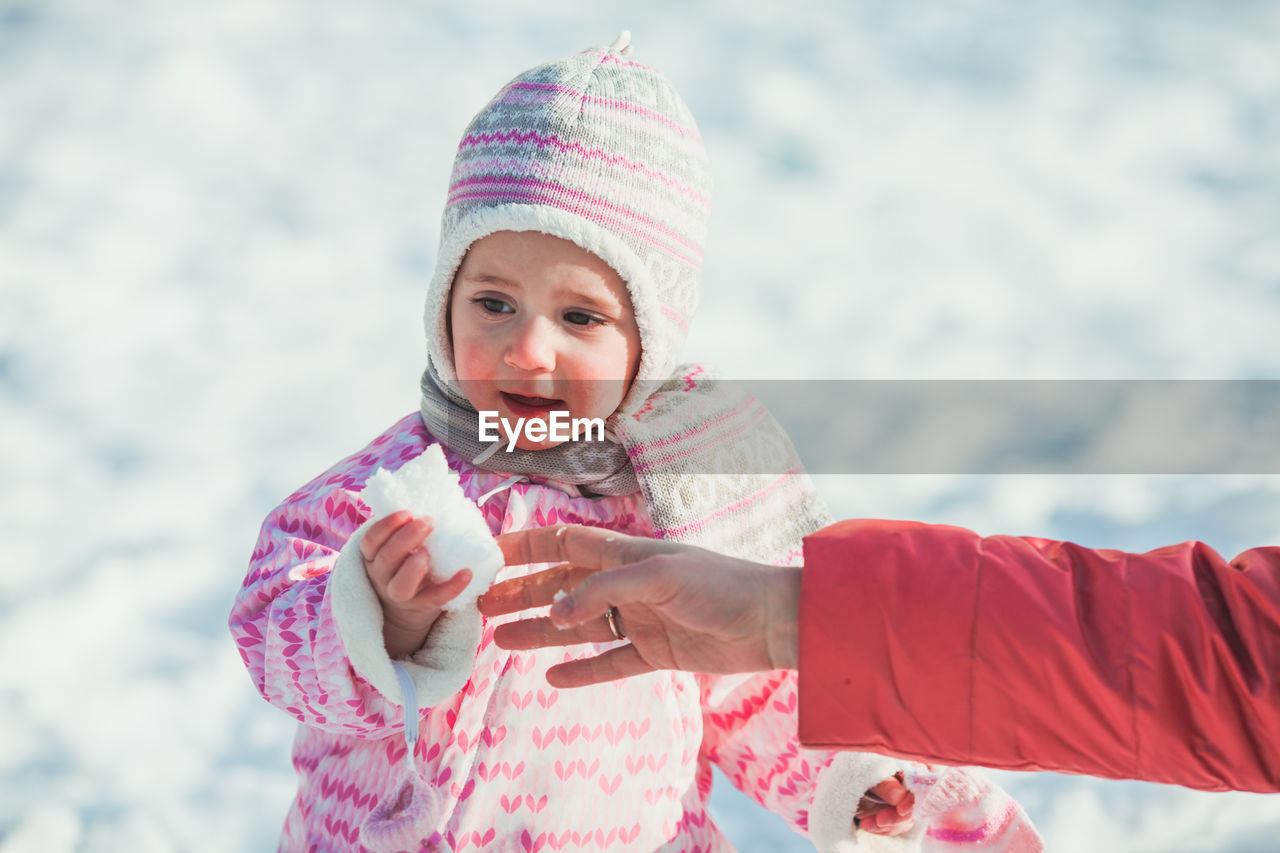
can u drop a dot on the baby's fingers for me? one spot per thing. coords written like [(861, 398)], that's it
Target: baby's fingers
[(883, 820), (404, 541), (405, 582), (890, 791), (380, 531), (439, 594)]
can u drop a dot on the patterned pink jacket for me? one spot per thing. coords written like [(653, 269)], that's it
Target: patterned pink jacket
[(622, 766)]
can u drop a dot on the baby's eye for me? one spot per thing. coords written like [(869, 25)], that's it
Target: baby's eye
[(579, 318), (493, 306)]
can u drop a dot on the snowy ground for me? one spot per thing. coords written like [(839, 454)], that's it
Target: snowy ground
[(216, 225)]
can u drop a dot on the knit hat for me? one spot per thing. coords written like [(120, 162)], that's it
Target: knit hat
[(599, 150)]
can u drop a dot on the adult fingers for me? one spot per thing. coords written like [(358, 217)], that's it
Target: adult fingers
[(535, 590), (540, 633), (622, 662), (650, 580), (587, 547), (520, 547), (548, 544), (380, 531)]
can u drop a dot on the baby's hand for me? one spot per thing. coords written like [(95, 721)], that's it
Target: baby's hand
[(396, 561), (886, 809)]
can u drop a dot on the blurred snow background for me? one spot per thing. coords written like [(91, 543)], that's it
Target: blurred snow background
[(216, 227)]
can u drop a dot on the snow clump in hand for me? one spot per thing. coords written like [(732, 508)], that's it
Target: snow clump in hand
[(460, 538)]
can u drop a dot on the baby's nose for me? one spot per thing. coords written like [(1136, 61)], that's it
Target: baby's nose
[(533, 347)]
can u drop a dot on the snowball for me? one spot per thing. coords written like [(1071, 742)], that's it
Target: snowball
[(460, 539)]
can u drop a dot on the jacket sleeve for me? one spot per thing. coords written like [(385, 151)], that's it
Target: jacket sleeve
[(1030, 654), (309, 626), (749, 732)]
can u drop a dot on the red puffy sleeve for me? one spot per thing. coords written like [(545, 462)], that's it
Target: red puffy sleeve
[(936, 644)]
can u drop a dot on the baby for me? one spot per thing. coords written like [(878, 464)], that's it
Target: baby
[(565, 284)]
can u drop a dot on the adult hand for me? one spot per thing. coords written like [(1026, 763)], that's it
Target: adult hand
[(681, 607)]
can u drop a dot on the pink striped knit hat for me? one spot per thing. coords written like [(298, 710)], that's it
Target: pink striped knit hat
[(596, 149)]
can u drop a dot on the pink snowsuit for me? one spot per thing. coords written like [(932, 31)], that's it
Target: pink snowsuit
[(620, 766), (518, 765)]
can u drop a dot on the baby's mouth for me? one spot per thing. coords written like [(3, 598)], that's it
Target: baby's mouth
[(525, 406)]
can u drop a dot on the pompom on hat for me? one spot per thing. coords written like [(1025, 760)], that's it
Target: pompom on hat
[(600, 150)]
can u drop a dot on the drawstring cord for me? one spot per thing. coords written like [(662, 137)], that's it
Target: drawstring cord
[(409, 693), (484, 455), (505, 484)]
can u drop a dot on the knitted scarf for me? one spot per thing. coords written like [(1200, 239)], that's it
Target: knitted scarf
[(597, 468), (713, 465)]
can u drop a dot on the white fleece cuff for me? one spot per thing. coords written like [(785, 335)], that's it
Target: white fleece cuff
[(439, 669), (842, 784)]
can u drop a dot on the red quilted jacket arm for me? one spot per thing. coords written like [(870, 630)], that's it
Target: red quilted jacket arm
[(934, 643)]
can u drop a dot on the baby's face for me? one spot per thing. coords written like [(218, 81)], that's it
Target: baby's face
[(540, 324)]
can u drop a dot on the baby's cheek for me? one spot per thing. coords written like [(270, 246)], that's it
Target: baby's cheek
[(595, 373), (600, 389), (470, 363), (608, 362)]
